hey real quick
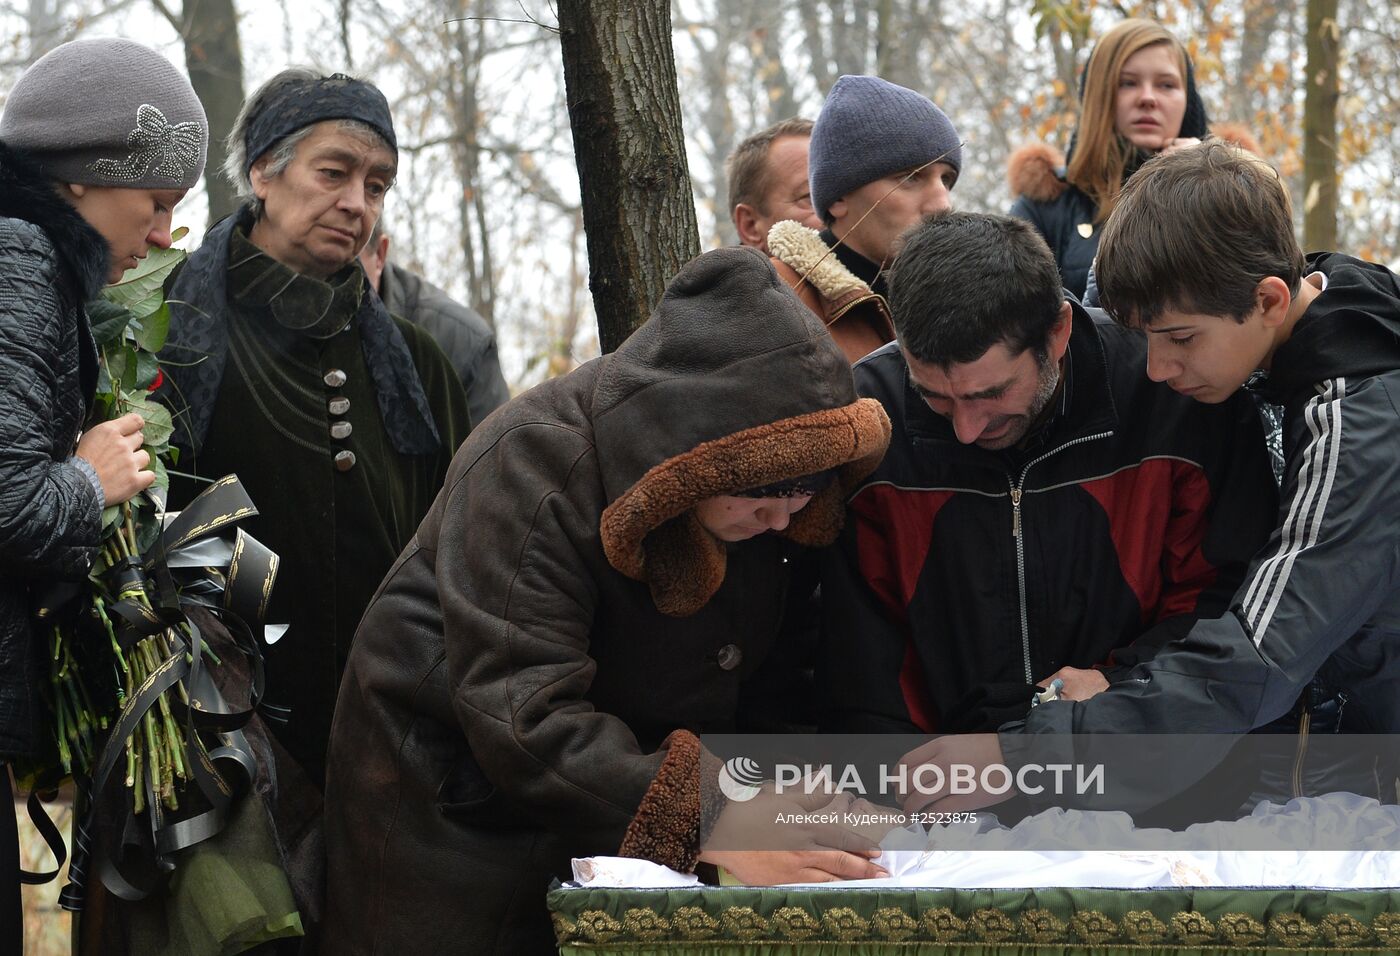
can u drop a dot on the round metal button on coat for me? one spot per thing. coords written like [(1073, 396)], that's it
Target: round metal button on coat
[(338, 406), (334, 378), (344, 460), (729, 657), (341, 430)]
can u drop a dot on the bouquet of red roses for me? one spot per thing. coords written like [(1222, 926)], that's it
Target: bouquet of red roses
[(88, 684), (136, 713)]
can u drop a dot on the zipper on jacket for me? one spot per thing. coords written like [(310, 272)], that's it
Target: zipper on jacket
[(1017, 490), (1021, 574)]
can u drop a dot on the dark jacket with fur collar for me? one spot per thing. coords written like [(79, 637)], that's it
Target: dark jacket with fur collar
[(527, 685), (51, 262), (1065, 215)]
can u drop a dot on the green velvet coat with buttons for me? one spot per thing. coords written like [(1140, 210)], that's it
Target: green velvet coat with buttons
[(337, 510)]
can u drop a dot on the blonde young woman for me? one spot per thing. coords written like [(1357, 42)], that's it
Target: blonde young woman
[(1138, 98)]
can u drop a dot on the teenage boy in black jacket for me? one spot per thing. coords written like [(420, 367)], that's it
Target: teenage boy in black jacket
[(1044, 511), (1323, 597)]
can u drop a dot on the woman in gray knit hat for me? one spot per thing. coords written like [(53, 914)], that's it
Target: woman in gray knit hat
[(99, 140)]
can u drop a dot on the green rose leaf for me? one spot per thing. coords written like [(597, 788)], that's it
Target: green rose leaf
[(162, 482), (154, 328), (108, 321), (99, 568), (111, 517), (146, 368), (147, 527), (141, 289), (121, 366), (103, 400), (159, 425)]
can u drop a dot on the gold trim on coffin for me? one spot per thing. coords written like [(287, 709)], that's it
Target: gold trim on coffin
[(1087, 928)]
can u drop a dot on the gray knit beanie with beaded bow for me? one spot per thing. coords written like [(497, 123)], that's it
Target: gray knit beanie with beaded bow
[(108, 112)]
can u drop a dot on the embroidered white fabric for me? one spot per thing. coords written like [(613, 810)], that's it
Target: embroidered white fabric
[(984, 854), (619, 871)]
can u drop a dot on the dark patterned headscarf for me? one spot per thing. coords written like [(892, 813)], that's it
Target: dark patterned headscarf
[(792, 488), (301, 103)]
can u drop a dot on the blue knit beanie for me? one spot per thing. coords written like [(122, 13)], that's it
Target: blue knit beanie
[(870, 128)]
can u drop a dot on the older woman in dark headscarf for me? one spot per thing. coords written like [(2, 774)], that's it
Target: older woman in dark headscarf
[(287, 369)]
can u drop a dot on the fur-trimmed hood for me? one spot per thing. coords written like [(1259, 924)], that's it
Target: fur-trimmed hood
[(731, 384), (27, 194), (1037, 170)]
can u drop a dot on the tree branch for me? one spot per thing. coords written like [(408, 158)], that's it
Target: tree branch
[(175, 21)]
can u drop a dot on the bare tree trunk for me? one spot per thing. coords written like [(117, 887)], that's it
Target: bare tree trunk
[(1320, 127), (885, 38), (343, 15), (215, 63), (899, 30), (457, 87), (1260, 19), (850, 35), (561, 352), (816, 44), (287, 31), (730, 28), (782, 103), (1066, 64), (483, 291), (1288, 96), (44, 26), (625, 112), (461, 90), (840, 36)]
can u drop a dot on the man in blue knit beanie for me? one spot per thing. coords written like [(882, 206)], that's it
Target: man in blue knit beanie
[(882, 158)]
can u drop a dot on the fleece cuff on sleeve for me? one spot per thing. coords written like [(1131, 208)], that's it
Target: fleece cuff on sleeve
[(679, 807)]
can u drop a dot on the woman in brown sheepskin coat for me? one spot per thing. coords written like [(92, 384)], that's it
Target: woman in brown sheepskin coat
[(604, 569), (1138, 98)]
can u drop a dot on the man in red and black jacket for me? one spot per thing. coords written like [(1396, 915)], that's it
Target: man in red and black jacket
[(1044, 510)]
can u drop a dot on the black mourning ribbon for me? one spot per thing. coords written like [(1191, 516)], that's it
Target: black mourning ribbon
[(131, 856)]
